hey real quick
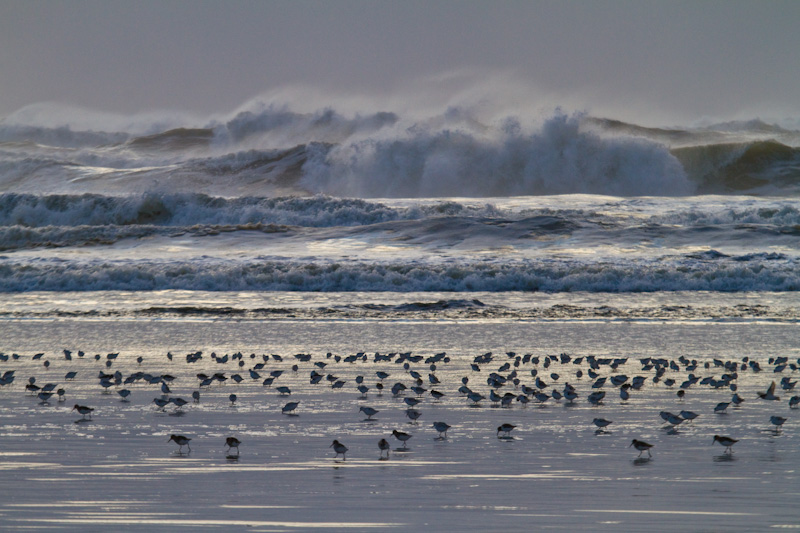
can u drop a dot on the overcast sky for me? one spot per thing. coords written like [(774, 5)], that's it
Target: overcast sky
[(662, 61)]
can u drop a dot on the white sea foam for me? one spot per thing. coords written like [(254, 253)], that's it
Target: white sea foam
[(461, 150)]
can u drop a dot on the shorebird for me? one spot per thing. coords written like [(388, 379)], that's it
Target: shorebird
[(411, 402), (413, 414), (83, 410), (725, 441), (369, 411), (601, 423), (721, 406), (596, 397), (383, 445), (642, 446), (442, 428), (505, 429), (44, 396), (475, 397), (233, 442), (777, 421), (670, 418), (401, 436), (232, 398), (289, 407), (179, 402), (794, 401), (161, 402), (688, 415), (124, 393), (339, 448), (770, 394), (181, 441)]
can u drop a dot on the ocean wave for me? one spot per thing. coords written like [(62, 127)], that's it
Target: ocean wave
[(273, 150), (560, 158), (738, 167), (277, 125), (664, 274)]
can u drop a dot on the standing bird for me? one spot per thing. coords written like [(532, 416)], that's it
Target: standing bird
[(401, 436), (339, 448), (777, 421), (383, 446), (642, 446), (232, 398), (601, 423), (442, 428), (413, 414), (721, 406), (289, 408), (369, 411), (181, 441), (505, 429), (233, 442), (83, 410), (725, 441)]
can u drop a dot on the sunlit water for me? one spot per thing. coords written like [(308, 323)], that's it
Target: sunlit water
[(118, 471)]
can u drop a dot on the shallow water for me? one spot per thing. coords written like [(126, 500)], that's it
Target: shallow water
[(118, 470)]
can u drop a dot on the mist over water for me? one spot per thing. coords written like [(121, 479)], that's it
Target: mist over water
[(269, 148), (469, 196)]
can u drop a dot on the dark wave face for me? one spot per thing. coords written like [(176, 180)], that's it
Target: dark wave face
[(274, 151)]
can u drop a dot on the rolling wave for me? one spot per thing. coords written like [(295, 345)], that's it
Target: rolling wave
[(662, 274), (272, 151)]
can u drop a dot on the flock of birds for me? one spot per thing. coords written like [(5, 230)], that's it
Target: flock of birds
[(504, 375)]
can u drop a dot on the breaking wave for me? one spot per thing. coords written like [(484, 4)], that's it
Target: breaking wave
[(272, 150), (664, 274)]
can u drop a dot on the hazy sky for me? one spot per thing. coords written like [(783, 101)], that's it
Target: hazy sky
[(663, 61)]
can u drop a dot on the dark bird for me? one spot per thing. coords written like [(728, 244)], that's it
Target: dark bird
[(642, 446), (181, 441)]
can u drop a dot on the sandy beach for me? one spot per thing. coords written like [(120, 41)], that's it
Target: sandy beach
[(117, 470)]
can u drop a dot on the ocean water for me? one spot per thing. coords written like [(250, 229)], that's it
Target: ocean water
[(563, 245)]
